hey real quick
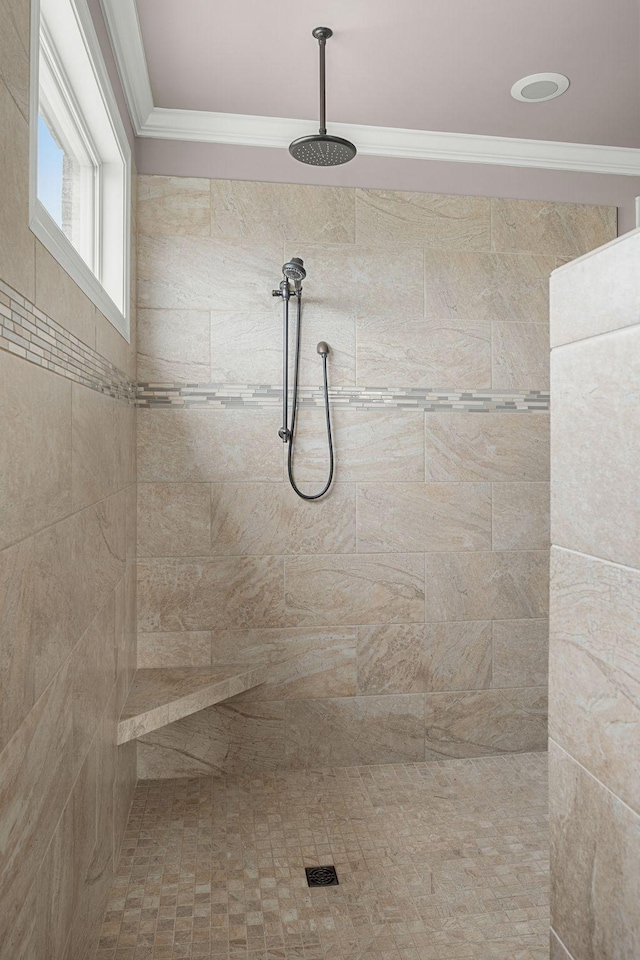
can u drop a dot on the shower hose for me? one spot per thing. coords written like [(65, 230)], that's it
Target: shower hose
[(294, 411)]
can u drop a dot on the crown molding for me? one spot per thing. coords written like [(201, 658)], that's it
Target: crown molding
[(242, 130), (248, 131), (123, 26)]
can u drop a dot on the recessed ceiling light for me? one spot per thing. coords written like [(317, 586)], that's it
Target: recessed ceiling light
[(539, 87)]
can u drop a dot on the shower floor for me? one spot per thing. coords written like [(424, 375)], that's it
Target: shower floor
[(436, 861)]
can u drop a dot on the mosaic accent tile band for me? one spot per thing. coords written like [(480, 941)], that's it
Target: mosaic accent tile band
[(221, 396), (28, 333)]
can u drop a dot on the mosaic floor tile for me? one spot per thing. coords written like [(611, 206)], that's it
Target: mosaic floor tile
[(437, 861)]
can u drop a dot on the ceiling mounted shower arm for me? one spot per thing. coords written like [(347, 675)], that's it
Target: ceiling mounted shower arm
[(322, 34), (322, 149)]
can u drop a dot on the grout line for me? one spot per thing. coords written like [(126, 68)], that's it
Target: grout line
[(592, 776), (629, 328), (555, 935), (597, 559), (67, 516)]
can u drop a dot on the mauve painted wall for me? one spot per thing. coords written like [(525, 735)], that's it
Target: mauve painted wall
[(186, 159)]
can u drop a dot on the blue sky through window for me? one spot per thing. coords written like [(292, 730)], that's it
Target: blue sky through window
[(50, 158)]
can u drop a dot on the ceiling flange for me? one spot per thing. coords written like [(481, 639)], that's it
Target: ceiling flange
[(322, 33)]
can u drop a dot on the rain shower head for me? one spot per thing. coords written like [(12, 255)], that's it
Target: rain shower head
[(294, 270), (321, 149)]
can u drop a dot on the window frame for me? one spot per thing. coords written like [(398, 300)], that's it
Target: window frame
[(110, 232)]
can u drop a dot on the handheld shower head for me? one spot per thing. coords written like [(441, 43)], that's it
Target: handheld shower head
[(294, 271)]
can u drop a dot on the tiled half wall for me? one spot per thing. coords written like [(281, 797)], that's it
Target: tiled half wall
[(416, 593), (594, 716)]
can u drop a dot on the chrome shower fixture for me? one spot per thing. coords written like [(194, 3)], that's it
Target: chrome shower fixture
[(322, 149), (294, 271)]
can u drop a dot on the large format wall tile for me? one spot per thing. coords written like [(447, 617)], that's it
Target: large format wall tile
[(173, 205), (17, 242), (321, 321), (174, 519), (35, 448), (125, 419), (595, 655), (520, 356), (22, 939), (487, 286), (230, 738), (483, 586), (267, 518), (354, 589), (558, 951), (84, 806), (205, 273), (597, 294), (17, 643), (94, 446), (417, 658), (365, 281), (485, 723), (68, 449), (561, 229), (14, 52), (173, 346), (595, 865), (520, 516), (111, 345), (36, 780), (429, 219), (276, 576), (520, 653), (496, 446), (123, 792), (247, 348), (324, 665), (99, 545), (181, 649), (596, 436), (93, 674), (63, 300), (423, 353), (54, 885), (423, 517), (42, 614), (354, 730), (204, 594), (196, 445), (294, 212), (370, 445)]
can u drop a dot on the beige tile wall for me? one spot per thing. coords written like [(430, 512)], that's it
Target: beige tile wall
[(67, 587), (416, 593), (595, 606)]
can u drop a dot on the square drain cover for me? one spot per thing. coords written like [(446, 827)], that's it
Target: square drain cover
[(322, 876)]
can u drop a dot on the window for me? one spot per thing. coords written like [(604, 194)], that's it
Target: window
[(80, 157)]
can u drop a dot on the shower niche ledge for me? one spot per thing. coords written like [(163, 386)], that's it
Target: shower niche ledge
[(160, 695)]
